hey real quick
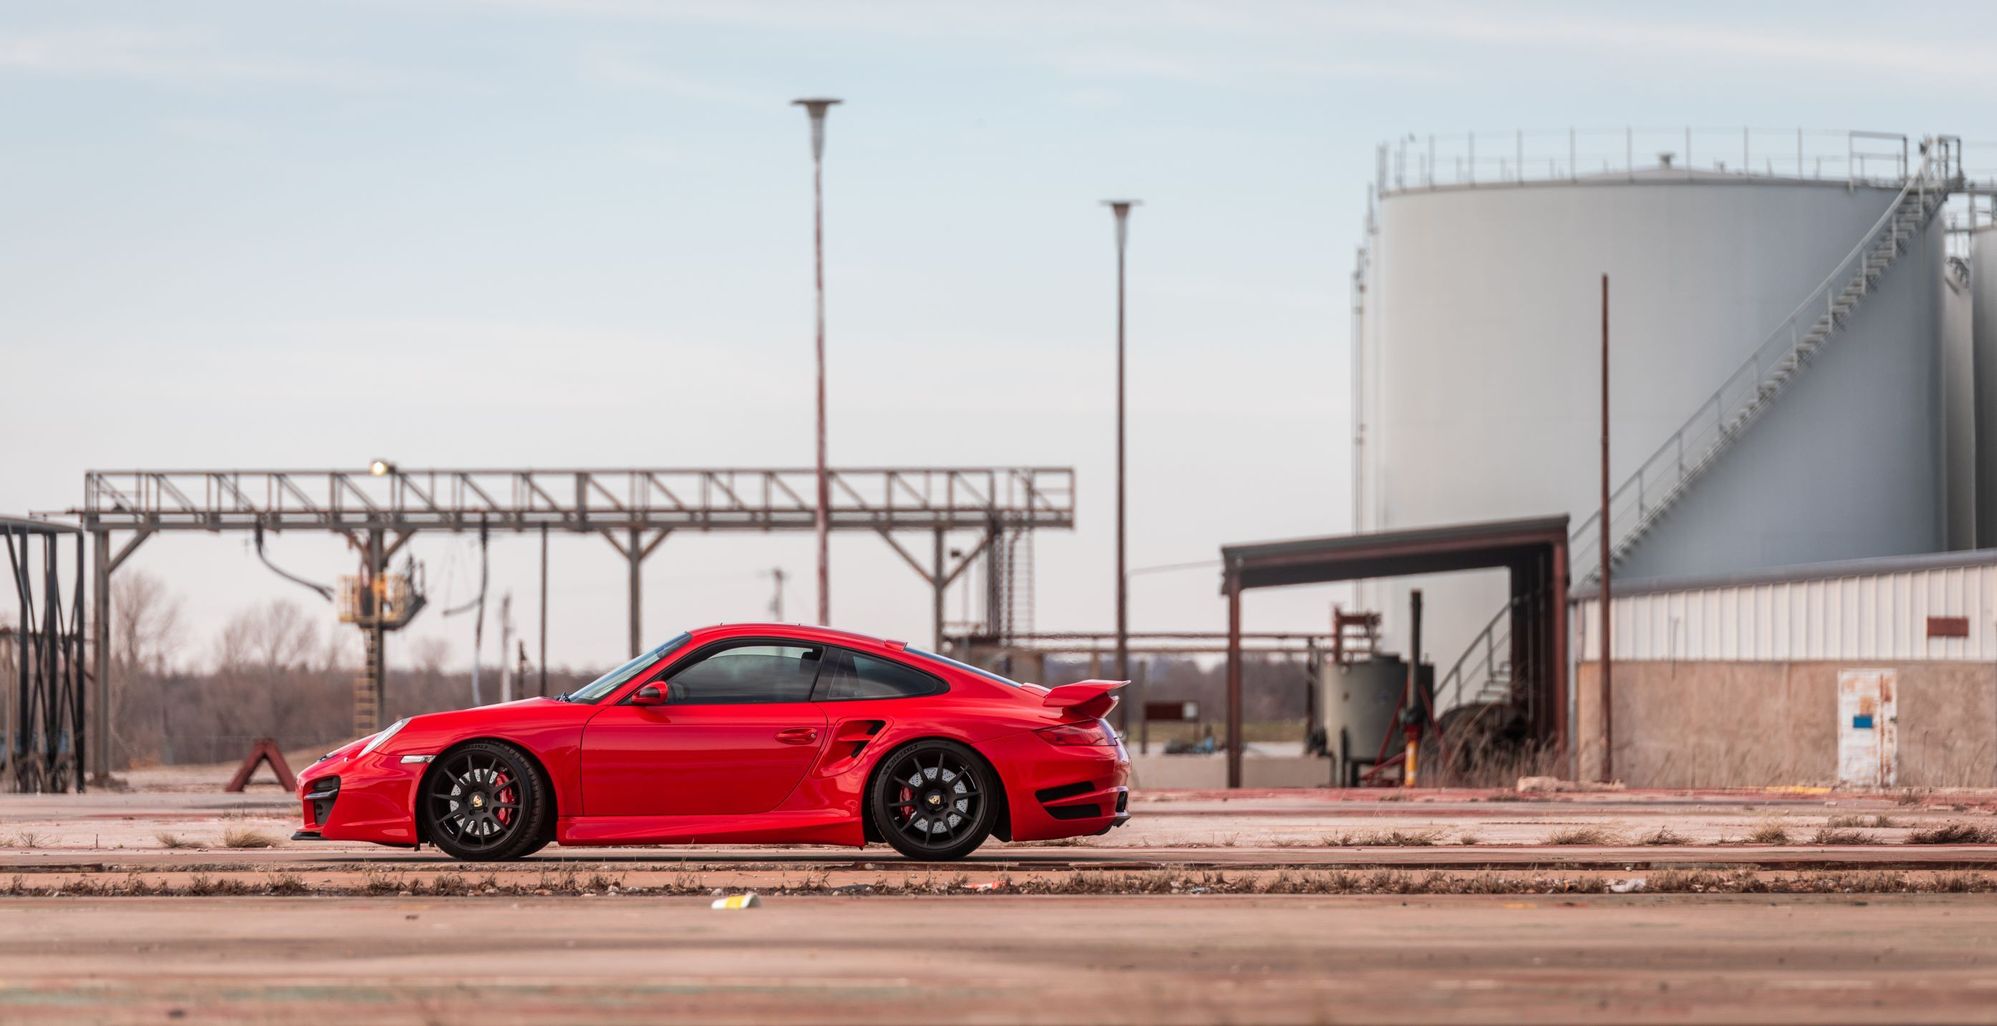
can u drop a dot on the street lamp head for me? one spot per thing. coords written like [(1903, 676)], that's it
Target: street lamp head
[(381, 468), (1121, 208), (816, 108)]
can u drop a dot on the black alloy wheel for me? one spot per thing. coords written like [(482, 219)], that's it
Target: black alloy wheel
[(933, 800), (485, 800)]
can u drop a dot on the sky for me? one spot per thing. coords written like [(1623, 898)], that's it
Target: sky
[(540, 233)]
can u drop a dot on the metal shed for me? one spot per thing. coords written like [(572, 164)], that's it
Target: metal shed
[(1534, 550)]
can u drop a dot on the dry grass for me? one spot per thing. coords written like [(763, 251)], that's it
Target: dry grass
[(1086, 882), (242, 837), (168, 839), (1386, 839), (1876, 822), (1954, 833), (1768, 832), (1663, 836), (1585, 835), (1834, 836), (26, 839)]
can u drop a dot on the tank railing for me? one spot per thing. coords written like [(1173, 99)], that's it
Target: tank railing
[(1519, 157), (1687, 452), (1486, 659)]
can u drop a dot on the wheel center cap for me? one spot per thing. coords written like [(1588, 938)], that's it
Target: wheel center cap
[(478, 801), (935, 799)]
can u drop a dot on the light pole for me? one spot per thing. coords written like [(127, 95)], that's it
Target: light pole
[(821, 518), (1121, 208)]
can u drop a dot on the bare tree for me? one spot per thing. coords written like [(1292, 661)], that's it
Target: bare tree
[(145, 624)]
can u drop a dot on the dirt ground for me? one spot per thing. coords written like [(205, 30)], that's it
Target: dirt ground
[(1245, 907)]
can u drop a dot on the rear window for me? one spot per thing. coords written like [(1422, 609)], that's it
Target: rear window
[(968, 668), (850, 676)]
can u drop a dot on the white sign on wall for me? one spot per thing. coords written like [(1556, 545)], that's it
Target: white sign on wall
[(1868, 728)]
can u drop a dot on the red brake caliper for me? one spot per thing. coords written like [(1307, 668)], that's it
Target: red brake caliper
[(504, 794)]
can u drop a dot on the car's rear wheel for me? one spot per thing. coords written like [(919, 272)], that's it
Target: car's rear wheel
[(933, 800), (486, 800)]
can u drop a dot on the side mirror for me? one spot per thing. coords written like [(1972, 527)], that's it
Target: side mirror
[(650, 694)]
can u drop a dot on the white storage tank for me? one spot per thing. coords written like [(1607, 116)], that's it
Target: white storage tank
[(1480, 333)]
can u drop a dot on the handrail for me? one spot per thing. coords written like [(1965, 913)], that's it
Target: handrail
[(1660, 478), (1485, 644), (1486, 159)]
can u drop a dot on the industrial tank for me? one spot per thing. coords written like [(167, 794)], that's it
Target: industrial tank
[(1360, 702), (1983, 350), (1478, 384)]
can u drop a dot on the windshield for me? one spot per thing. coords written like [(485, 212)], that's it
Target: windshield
[(615, 679), (966, 667)]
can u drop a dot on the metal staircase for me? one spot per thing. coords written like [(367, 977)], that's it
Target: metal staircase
[(1483, 674), (1642, 500)]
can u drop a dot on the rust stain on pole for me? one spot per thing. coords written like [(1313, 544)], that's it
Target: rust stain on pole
[(1608, 688), (816, 109)]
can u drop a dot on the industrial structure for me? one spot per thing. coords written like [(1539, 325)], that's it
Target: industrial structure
[(380, 509), (42, 658), (1796, 378)]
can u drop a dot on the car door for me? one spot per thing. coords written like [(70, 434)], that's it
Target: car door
[(736, 734)]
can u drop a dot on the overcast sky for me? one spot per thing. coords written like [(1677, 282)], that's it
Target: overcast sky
[(578, 233)]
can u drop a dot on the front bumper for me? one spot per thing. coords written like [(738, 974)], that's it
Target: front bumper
[(364, 798)]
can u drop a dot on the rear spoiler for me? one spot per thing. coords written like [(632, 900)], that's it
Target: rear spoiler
[(1086, 700)]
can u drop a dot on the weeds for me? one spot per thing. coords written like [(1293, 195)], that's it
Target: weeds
[(167, 839), (1769, 832), (1833, 836), (1877, 822), (1584, 836), (243, 837), (1385, 839), (1663, 836), (1954, 833)]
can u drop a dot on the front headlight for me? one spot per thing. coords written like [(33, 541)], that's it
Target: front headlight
[(382, 738)]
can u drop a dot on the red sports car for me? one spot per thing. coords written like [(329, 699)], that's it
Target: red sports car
[(756, 733)]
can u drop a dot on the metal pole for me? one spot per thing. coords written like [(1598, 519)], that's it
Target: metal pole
[(821, 517), (1413, 708), (1608, 690), (636, 557), (377, 663), (1121, 208), (544, 611), (1233, 678), (936, 586), (100, 747)]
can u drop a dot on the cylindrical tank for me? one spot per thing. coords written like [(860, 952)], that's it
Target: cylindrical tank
[(1983, 346), (1360, 702), (1481, 335)]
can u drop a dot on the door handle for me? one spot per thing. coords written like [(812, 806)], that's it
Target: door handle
[(798, 735)]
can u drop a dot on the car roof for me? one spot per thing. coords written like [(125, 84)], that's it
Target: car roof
[(802, 632)]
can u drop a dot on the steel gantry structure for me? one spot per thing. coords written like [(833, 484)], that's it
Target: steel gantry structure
[(41, 651), (379, 509)]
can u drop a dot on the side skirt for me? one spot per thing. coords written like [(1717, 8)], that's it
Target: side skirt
[(817, 826)]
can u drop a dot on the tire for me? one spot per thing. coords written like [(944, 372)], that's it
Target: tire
[(916, 780), (486, 801)]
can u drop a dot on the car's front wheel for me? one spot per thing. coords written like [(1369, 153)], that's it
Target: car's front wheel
[(934, 800), (487, 801)]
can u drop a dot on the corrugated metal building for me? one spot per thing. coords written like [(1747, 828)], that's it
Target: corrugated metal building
[(1742, 680)]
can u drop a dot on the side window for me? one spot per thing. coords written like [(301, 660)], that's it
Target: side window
[(850, 675), (747, 674)]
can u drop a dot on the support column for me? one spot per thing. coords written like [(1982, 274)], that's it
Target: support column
[(938, 584), (542, 656), (377, 632), (100, 637), (1233, 679), (635, 554)]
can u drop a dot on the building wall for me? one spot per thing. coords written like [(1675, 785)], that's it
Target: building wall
[(1872, 610), (1758, 724)]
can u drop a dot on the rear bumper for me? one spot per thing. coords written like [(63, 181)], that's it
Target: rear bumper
[(1055, 791)]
